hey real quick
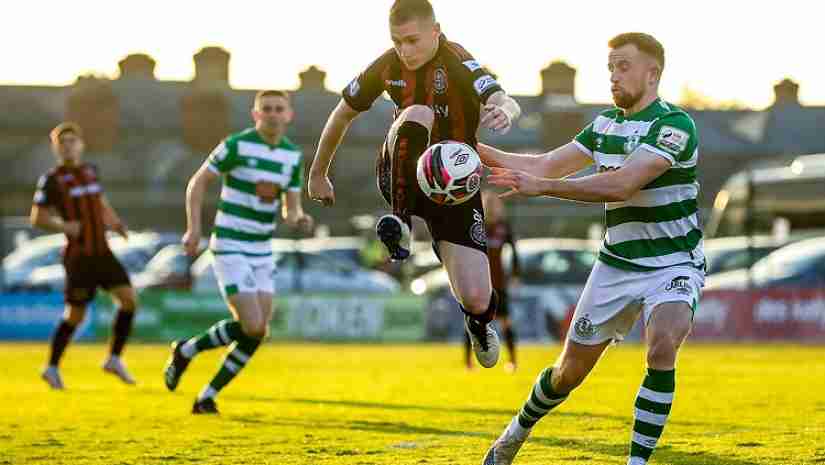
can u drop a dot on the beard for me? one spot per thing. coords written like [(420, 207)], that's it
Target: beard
[(625, 100)]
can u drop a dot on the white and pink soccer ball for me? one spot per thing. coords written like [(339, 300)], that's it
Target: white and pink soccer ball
[(449, 172)]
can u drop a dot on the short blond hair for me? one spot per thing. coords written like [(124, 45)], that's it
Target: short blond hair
[(269, 93), (646, 43), (64, 128)]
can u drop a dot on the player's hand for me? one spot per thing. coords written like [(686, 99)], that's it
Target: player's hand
[(71, 228), (496, 119), (121, 230), (301, 221), (487, 154), (519, 182), (320, 189), (306, 223), (191, 241)]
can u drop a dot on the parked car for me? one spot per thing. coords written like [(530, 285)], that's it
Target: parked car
[(792, 191), (299, 271), (543, 262), (553, 273), (134, 254), (801, 264), (735, 252), (343, 248), (170, 268), (39, 252)]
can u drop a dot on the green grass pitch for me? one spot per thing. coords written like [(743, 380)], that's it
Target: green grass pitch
[(407, 404)]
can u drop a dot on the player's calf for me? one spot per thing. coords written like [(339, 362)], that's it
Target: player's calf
[(235, 360), (542, 399)]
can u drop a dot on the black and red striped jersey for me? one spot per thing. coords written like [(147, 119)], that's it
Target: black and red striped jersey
[(76, 194), (453, 84)]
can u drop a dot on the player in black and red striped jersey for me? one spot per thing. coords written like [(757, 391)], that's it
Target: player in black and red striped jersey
[(70, 200), (441, 93)]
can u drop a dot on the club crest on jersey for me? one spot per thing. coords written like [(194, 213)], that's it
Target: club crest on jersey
[(440, 81), (473, 182), (584, 327), (631, 144)]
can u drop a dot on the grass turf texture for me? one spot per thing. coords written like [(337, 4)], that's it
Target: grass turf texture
[(377, 404)]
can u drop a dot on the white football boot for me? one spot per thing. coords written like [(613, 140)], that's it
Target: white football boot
[(115, 366), (505, 448), (484, 340)]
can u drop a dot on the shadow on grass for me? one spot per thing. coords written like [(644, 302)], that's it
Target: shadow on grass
[(470, 410), (665, 454)]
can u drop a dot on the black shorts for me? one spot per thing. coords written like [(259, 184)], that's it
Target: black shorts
[(458, 224), (84, 274)]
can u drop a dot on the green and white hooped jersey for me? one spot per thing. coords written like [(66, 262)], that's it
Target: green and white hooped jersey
[(250, 166), (659, 226)]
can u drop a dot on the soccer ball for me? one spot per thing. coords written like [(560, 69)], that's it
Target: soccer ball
[(449, 173)]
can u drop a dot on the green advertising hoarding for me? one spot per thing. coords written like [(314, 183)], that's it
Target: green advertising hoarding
[(169, 315)]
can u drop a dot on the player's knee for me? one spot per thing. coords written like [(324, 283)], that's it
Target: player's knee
[(475, 300), (254, 329), (128, 303), (420, 114), (663, 348), (74, 315)]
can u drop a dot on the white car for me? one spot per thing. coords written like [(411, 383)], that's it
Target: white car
[(300, 271), (39, 252), (553, 274), (133, 254)]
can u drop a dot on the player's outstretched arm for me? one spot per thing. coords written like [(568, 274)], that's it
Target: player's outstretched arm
[(194, 201), (558, 163), (611, 186), (319, 186)]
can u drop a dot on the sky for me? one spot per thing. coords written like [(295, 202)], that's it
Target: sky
[(727, 50)]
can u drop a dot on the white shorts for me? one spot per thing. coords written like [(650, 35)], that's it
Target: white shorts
[(613, 298), (238, 273)]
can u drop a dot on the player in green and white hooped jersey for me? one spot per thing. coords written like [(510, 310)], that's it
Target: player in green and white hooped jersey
[(260, 167), (651, 262)]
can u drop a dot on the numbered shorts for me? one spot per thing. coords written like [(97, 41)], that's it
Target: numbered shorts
[(613, 299), (238, 273)]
